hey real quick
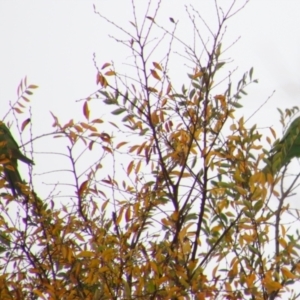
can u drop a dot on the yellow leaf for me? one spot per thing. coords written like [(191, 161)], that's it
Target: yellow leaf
[(86, 254), (283, 230), (283, 243), (197, 75), (154, 118), (270, 284), (287, 273)]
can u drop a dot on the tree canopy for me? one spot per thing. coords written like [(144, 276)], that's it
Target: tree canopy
[(176, 204)]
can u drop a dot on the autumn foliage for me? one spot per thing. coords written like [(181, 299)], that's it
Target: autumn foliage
[(175, 205)]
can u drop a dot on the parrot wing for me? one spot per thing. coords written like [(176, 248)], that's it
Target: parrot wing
[(9, 154), (11, 146), (284, 150), (13, 177)]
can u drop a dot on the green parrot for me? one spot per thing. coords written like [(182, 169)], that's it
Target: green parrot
[(284, 150), (9, 155)]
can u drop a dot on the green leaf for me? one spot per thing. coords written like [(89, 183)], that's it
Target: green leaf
[(220, 65), (118, 111), (236, 104), (251, 73), (110, 101)]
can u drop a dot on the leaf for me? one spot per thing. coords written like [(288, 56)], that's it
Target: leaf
[(99, 121), (110, 101), (32, 86), (197, 75), (220, 65), (100, 79), (154, 74), (107, 149), (132, 24), (105, 66), (236, 104), (26, 99), (152, 90), (121, 144), (87, 126), (288, 274), (83, 188), (118, 111), (169, 88), (273, 132), (150, 18), (86, 110), (157, 66), (251, 73), (110, 73), (130, 167), (24, 124), (19, 111)]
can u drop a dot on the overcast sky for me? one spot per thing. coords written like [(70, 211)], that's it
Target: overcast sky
[(52, 42)]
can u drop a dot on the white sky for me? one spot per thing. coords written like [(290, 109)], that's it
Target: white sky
[(52, 43)]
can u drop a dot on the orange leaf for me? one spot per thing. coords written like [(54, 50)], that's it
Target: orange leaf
[(86, 110), (101, 80), (110, 73), (107, 149), (121, 144), (83, 187), (154, 74)]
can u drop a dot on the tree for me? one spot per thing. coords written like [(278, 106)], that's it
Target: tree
[(176, 207)]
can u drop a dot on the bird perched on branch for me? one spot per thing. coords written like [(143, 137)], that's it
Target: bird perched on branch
[(9, 156), (284, 150)]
